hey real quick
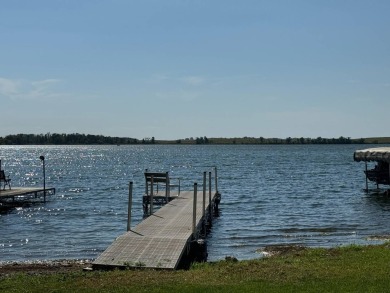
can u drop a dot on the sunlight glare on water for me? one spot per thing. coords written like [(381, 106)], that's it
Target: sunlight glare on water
[(281, 194)]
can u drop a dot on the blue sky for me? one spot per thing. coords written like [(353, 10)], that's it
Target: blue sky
[(176, 69)]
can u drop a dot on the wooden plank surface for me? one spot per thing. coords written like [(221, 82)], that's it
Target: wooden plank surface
[(24, 191), (158, 241)]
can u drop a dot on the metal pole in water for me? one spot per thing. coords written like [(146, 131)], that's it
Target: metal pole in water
[(389, 172), (129, 205), (167, 188), (209, 194), (204, 196), (366, 179), (194, 209), (146, 185), (216, 180), (151, 195), (42, 158)]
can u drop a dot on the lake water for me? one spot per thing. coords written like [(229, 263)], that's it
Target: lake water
[(289, 194)]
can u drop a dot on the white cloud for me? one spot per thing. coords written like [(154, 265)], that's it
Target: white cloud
[(190, 80), (45, 83), (8, 87), (160, 78), (176, 96), (30, 90), (193, 80), (174, 89)]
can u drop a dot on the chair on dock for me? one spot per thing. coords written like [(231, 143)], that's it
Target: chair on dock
[(152, 192), (5, 179), (155, 178)]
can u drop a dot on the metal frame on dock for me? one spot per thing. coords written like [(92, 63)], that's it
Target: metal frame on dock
[(153, 196)]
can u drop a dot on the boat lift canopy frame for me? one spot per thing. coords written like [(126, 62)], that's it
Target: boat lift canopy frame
[(381, 173)]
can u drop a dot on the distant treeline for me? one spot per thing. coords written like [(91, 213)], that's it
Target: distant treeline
[(262, 140), (66, 139), (83, 139)]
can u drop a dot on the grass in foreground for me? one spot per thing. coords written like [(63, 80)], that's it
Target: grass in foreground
[(343, 269)]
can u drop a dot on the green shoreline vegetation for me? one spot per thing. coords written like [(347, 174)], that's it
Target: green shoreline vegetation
[(89, 139), (343, 269)]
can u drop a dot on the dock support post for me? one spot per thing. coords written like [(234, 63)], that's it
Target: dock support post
[(366, 179), (42, 158), (216, 180), (151, 195), (146, 184), (204, 202), (194, 209), (389, 172), (167, 188), (204, 195), (210, 196), (129, 206)]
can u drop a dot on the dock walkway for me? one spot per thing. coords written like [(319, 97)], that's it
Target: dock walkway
[(16, 192), (161, 240)]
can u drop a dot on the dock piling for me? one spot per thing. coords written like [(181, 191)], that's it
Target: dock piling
[(42, 158), (167, 189), (129, 206), (146, 185), (216, 179), (151, 195), (204, 195), (210, 197), (366, 179), (204, 203), (194, 209)]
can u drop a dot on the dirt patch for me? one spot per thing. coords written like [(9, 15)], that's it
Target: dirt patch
[(43, 267)]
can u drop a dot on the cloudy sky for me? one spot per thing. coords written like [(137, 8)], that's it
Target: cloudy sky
[(176, 68)]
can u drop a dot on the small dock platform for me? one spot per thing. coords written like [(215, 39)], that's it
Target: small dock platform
[(10, 195), (168, 237), (25, 192)]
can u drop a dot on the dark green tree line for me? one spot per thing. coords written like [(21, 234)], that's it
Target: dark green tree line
[(67, 139)]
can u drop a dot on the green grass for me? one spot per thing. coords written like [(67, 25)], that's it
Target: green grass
[(343, 269)]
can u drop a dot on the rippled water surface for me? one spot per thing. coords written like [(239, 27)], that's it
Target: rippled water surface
[(309, 195)]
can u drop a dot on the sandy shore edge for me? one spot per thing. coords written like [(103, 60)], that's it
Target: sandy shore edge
[(44, 267)]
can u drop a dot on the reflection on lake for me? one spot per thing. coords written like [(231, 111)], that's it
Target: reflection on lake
[(282, 194)]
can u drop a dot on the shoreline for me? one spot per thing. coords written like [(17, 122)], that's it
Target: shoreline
[(296, 269), (73, 265), (38, 267)]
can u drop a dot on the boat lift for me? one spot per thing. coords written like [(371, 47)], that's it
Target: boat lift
[(380, 174)]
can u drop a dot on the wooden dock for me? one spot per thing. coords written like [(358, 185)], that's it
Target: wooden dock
[(25, 193), (166, 238), (22, 193)]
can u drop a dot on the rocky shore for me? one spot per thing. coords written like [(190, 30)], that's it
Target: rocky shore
[(43, 267)]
